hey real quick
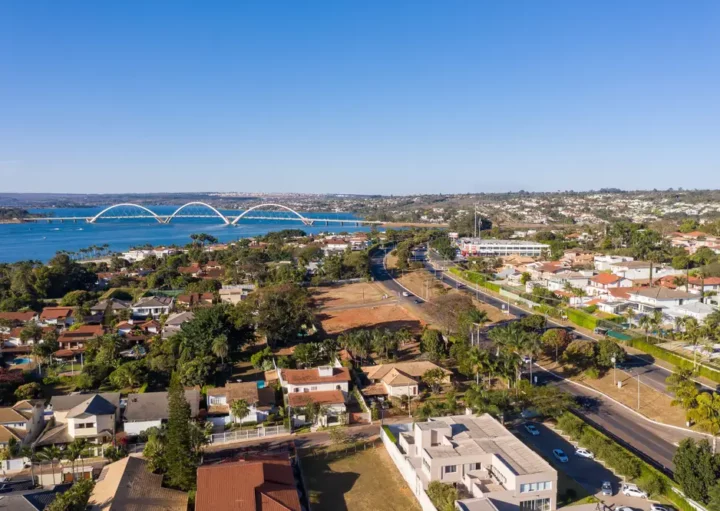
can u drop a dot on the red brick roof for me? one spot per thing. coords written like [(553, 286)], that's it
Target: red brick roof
[(300, 376), (710, 281), (83, 333), (20, 317), (606, 278), (261, 484), (323, 397), (49, 313)]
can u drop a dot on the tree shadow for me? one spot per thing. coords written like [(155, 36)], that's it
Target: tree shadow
[(325, 487)]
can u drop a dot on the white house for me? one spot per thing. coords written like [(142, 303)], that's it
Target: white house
[(649, 299), (601, 283), (150, 409), (235, 294), (326, 385), (89, 416), (23, 421), (558, 281), (605, 262), (57, 316), (640, 270), (154, 306), (485, 459), (260, 400)]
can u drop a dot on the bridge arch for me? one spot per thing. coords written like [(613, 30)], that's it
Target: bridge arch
[(178, 210), (125, 204), (304, 220)]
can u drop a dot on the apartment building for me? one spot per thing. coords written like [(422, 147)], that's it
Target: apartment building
[(490, 247), (479, 453)]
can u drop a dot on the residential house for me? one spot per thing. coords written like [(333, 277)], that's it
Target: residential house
[(605, 262), (89, 416), (673, 303), (481, 455), (335, 245), (706, 285), (601, 283), (332, 402), (642, 270), (150, 410), (111, 306), (17, 318), (175, 321), (399, 378), (32, 500), (76, 340), (23, 421), (325, 385), (235, 294), (59, 316), (188, 301), (559, 280), (359, 241), (578, 258), (255, 484), (261, 402), (154, 306), (129, 485)]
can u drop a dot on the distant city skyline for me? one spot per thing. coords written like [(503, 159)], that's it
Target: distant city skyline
[(398, 98)]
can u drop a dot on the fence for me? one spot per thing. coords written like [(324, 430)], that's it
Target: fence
[(248, 434), (408, 472)]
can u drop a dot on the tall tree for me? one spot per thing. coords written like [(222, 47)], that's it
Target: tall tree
[(180, 459), (695, 468)]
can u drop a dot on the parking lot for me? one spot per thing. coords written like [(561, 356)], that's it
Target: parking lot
[(589, 473)]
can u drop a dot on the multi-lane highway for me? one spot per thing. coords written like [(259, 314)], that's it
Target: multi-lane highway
[(655, 441)]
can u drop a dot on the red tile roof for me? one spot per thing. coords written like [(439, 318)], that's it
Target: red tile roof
[(710, 281), (49, 313), (83, 333), (606, 278), (323, 397), (261, 484), (20, 317), (300, 376)]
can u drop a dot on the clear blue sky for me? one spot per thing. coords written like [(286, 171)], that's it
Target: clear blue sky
[(358, 97)]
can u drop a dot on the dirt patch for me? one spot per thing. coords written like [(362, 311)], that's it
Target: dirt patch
[(425, 285), (327, 297), (393, 317), (653, 404)]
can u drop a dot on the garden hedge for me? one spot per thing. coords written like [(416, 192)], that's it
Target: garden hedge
[(582, 318), (674, 358), (475, 278)]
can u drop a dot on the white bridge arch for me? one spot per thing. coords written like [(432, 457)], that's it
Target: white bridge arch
[(125, 204), (178, 210), (304, 220)]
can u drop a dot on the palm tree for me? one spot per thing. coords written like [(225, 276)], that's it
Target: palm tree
[(707, 414), (52, 454), (240, 409), (75, 450), (479, 361), (645, 322), (220, 347)]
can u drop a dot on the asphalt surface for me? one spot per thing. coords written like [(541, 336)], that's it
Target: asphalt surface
[(653, 441)]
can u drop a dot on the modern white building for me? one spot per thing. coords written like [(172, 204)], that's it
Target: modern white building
[(605, 262), (491, 247), (154, 306), (480, 454)]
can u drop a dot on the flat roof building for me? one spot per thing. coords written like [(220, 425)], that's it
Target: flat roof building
[(491, 247)]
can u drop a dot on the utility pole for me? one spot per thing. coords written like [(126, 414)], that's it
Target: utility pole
[(475, 223), (638, 379)]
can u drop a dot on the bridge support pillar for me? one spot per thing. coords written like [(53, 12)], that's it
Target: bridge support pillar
[(342, 224), (326, 222)]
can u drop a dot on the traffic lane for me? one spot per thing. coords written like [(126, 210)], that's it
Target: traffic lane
[(381, 275), (589, 473), (654, 441)]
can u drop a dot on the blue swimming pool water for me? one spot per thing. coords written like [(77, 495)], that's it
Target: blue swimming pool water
[(261, 384), (19, 361)]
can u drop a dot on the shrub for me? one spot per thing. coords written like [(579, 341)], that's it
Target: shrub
[(443, 496), (593, 373), (581, 318), (654, 485), (571, 425), (390, 434)]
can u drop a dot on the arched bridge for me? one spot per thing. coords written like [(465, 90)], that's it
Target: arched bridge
[(128, 210)]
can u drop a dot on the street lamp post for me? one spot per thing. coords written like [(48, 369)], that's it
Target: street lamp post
[(638, 379), (613, 360)]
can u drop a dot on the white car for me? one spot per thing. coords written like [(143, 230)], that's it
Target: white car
[(624, 508), (560, 455), (630, 490), (584, 453), (532, 429), (659, 507), (405, 293)]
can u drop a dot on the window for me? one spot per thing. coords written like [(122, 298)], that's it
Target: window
[(338, 387), (535, 505), (426, 464), (475, 466), (414, 391), (449, 469), (306, 389), (313, 388), (541, 486), (296, 389)]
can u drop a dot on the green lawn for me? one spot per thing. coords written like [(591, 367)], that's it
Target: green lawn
[(363, 481)]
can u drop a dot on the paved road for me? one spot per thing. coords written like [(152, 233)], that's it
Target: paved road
[(655, 441)]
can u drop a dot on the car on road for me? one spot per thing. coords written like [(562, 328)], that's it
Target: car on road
[(607, 488), (532, 429), (560, 455), (405, 293), (660, 507), (631, 490), (584, 453), (624, 508)]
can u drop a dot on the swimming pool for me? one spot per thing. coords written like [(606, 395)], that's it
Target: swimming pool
[(20, 361)]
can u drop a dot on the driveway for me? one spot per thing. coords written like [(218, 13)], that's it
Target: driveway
[(590, 474)]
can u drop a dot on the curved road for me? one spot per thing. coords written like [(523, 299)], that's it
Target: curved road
[(655, 442)]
